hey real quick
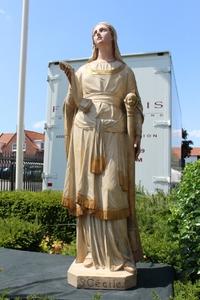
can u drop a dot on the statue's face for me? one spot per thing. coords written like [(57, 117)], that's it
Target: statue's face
[(102, 36)]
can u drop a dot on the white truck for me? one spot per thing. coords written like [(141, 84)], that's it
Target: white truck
[(158, 166)]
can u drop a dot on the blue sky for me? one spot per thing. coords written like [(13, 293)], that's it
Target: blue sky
[(61, 29)]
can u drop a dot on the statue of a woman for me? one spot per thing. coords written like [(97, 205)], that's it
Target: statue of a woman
[(97, 184)]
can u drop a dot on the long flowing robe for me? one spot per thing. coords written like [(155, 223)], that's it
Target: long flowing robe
[(96, 182)]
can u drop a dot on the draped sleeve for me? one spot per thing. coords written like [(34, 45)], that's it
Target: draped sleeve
[(70, 106)]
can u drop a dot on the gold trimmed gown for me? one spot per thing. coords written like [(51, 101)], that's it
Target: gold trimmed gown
[(96, 182)]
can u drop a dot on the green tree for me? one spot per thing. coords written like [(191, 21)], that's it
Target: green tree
[(185, 147)]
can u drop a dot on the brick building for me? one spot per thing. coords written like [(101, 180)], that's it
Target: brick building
[(33, 144)]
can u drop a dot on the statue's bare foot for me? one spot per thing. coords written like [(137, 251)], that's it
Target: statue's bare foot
[(88, 262), (130, 268)]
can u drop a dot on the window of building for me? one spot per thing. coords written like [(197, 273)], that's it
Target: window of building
[(14, 147), (40, 144)]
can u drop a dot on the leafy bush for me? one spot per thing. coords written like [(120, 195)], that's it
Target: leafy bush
[(151, 210), (185, 219), (18, 234), (43, 208), (186, 290), (153, 214)]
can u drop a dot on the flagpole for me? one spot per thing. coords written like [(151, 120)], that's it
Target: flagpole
[(21, 97)]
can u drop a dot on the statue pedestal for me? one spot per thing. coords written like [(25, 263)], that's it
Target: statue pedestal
[(91, 278)]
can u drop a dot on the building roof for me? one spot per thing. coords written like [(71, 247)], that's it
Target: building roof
[(195, 151), (33, 135), (6, 137)]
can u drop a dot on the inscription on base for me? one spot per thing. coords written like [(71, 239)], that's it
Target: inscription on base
[(100, 283)]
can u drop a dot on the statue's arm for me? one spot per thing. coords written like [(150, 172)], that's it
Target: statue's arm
[(132, 88), (72, 99), (135, 109), (69, 110)]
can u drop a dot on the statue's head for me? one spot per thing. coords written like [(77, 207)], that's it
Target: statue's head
[(115, 49)]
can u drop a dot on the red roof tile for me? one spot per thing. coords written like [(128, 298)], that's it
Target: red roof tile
[(6, 137), (34, 135), (195, 151)]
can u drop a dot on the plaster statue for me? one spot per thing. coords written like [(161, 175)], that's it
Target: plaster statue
[(103, 125)]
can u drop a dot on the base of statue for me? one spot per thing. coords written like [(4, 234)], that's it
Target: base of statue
[(91, 278)]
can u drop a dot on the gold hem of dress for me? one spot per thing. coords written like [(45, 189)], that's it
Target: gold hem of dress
[(85, 206)]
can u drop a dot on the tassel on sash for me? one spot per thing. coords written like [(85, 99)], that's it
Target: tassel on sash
[(98, 159)]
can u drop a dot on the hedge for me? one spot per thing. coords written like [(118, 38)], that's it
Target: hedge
[(19, 234), (43, 208)]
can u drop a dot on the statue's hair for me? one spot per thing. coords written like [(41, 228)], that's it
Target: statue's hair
[(116, 52)]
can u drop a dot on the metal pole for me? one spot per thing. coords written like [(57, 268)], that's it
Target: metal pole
[(21, 97)]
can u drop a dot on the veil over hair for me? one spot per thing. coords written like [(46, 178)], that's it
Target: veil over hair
[(116, 52)]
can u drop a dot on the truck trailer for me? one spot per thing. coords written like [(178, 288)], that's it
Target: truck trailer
[(158, 167)]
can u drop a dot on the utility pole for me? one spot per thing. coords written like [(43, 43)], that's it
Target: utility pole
[(21, 97)]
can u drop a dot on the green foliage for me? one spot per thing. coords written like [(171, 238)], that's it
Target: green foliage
[(43, 208), (19, 234), (186, 290), (185, 219), (183, 291), (49, 245), (151, 210), (155, 296), (153, 214), (185, 147), (69, 249), (5, 296), (97, 296)]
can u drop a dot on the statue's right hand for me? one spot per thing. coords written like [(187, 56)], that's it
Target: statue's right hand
[(67, 68)]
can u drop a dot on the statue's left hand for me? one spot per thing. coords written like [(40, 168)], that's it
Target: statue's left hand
[(67, 68), (137, 146)]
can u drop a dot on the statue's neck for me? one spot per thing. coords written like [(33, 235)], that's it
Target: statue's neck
[(105, 54)]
